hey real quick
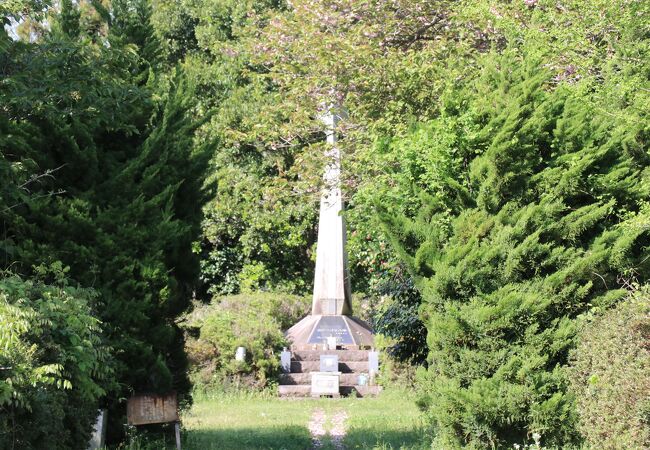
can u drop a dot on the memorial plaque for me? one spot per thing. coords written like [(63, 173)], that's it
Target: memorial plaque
[(331, 326), (329, 363), (325, 383), (150, 408)]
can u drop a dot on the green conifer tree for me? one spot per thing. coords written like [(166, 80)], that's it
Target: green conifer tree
[(104, 175), (545, 232)]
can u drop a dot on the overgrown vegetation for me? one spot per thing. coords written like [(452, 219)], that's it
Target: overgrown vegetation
[(497, 182), (54, 364), (610, 376), (254, 321)]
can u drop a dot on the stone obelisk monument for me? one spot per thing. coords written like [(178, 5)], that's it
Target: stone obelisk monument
[(331, 312)]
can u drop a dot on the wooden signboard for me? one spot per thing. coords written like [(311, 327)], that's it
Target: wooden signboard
[(151, 408)]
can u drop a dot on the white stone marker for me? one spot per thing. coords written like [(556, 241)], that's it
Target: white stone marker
[(285, 360), (99, 431), (325, 383)]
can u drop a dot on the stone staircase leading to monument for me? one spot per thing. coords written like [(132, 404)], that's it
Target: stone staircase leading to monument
[(352, 363)]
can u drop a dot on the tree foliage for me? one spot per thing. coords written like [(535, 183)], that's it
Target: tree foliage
[(102, 174), (259, 227), (497, 150), (54, 362), (610, 376), (538, 227)]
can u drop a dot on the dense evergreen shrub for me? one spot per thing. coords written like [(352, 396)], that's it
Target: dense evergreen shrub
[(255, 321), (100, 170), (610, 376), (534, 229), (54, 364), (397, 319)]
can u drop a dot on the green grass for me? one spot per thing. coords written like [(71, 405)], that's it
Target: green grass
[(257, 421)]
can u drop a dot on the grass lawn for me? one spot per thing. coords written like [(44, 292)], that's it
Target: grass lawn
[(239, 422)]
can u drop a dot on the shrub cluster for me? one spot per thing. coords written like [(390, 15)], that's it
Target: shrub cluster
[(53, 365), (100, 173), (550, 213), (254, 321), (610, 376)]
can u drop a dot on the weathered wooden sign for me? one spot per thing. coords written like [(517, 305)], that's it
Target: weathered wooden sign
[(151, 408)]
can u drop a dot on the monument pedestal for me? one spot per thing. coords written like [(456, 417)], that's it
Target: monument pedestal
[(310, 349), (351, 364)]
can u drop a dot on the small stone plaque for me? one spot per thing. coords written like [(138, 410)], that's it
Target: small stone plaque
[(331, 326), (325, 383), (151, 408), (329, 363)]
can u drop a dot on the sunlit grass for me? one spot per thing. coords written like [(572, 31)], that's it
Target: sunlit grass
[(263, 421)]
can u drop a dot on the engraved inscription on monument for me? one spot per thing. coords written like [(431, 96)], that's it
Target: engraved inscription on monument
[(146, 409), (325, 383), (329, 363), (331, 326)]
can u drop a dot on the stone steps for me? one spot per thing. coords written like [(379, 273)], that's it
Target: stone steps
[(352, 363), (304, 390), (346, 379), (344, 355), (314, 366)]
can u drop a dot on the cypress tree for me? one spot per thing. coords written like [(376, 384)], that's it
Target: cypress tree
[(547, 230), (104, 176)]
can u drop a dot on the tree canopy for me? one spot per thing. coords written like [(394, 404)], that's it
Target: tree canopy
[(159, 152)]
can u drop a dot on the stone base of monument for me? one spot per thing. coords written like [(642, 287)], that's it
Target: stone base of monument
[(304, 391), (311, 341), (312, 333), (351, 364)]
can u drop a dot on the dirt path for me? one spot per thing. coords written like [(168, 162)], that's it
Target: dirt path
[(317, 428), (318, 431), (338, 429)]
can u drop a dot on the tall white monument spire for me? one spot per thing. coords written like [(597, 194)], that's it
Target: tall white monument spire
[(331, 312), (332, 292)]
